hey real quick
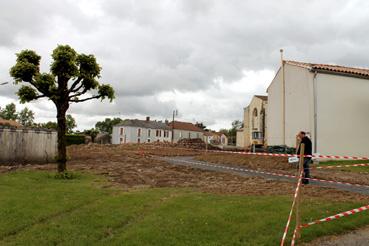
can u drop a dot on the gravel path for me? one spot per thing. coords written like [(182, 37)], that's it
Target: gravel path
[(189, 161)]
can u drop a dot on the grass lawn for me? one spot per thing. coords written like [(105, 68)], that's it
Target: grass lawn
[(347, 162), (37, 209)]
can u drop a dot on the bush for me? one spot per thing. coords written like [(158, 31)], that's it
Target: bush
[(75, 139)]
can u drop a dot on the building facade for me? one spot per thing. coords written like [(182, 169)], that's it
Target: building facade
[(329, 102), (141, 131), (185, 130), (254, 129)]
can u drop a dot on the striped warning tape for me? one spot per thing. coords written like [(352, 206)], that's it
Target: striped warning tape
[(337, 216), (292, 207), (269, 154), (294, 155), (267, 173), (340, 166)]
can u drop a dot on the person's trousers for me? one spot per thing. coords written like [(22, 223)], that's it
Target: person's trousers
[(306, 176)]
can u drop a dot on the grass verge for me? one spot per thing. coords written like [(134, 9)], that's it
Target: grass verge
[(37, 209)]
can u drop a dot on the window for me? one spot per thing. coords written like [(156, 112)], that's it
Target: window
[(148, 140), (121, 140), (157, 133), (166, 134), (257, 135), (254, 118), (189, 134), (139, 132), (149, 133), (138, 140), (121, 131)]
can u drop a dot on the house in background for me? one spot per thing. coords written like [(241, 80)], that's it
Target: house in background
[(254, 130), (141, 131), (216, 138), (185, 130), (329, 102)]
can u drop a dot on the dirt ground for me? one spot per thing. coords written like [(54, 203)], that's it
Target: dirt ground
[(281, 165), (133, 166)]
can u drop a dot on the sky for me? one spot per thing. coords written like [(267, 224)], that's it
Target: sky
[(204, 58)]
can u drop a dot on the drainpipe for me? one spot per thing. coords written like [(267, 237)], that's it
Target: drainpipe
[(315, 112)]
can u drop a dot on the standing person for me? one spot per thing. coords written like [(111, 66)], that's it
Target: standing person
[(308, 151)]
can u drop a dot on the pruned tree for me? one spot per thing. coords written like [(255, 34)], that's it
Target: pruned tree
[(72, 79)]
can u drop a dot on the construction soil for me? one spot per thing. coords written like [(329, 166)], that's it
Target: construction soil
[(136, 166)]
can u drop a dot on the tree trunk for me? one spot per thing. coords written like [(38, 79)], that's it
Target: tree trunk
[(62, 145)]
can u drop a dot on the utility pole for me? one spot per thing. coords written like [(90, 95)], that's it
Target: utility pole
[(283, 100), (175, 113)]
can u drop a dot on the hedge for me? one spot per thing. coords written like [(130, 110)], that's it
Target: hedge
[(75, 139)]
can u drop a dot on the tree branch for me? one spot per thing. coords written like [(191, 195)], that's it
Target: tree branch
[(85, 99), (75, 83)]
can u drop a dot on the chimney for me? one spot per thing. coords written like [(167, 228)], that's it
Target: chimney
[(166, 121), (147, 118)]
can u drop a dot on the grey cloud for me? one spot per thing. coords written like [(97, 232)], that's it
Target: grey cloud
[(147, 47)]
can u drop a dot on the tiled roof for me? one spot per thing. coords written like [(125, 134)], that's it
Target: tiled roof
[(264, 98), (144, 124), (10, 123), (361, 72), (185, 126)]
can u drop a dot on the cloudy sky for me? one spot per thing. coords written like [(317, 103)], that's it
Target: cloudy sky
[(205, 58)]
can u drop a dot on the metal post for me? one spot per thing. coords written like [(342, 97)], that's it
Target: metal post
[(283, 99)]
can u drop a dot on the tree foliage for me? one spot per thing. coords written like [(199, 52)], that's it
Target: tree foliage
[(26, 117), (107, 124), (72, 78), (9, 112)]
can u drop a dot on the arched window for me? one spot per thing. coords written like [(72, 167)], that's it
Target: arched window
[(254, 117)]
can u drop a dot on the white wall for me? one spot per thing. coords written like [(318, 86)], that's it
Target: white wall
[(274, 111), (180, 134), (299, 103), (343, 115)]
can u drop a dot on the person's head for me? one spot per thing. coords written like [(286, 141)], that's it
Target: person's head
[(301, 134)]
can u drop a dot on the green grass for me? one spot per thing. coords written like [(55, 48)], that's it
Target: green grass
[(347, 162), (37, 209)]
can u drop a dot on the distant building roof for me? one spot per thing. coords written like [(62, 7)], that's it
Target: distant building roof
[(144, 124), (356, 72), (185, 126), (10, 123), (264, 98)]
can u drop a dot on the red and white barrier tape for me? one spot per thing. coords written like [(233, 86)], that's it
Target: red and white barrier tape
[(269, 173), (337, 216), (270, 154), (294, 155), (292, 207), (340, 166)]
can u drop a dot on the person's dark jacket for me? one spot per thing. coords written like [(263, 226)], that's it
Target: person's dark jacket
[(308, 146)]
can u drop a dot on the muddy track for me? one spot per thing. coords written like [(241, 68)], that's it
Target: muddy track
[(239, 170)]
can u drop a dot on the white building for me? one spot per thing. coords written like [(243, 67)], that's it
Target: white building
[(329, 102), (141, 131), (185, 130)]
